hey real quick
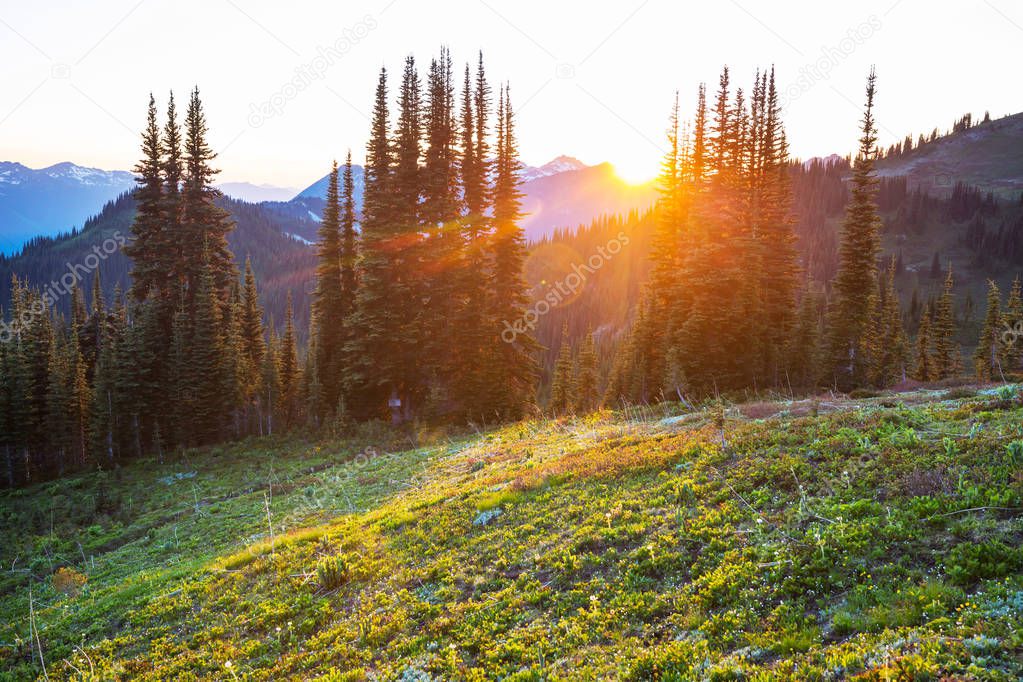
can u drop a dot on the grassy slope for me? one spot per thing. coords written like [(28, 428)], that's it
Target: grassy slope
[(988, 155), (710, 545)]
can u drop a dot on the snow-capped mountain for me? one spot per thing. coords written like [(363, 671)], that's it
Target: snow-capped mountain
[(46, 201), (561, 164), (252, 193)]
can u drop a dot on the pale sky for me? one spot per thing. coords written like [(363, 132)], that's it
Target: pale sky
[(593, 80)]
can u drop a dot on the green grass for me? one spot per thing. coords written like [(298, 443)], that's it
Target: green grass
[(878, 540)]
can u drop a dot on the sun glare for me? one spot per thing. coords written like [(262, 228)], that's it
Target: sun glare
[(637, 172)]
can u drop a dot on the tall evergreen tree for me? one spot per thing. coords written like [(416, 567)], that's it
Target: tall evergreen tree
[(923, 364), (1012, 322), (290, 371), (515, 365), (377, 339), (563, 381), (148, 273), (587, 390), (946, 350), (206, 361), (329, 302), (857, 273), (204, 225), (473, 324), (986, 357)]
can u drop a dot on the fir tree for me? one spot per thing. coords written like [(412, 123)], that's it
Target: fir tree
[(270, 384), (858, 259), (1012, 324), (514, 367), (204, 225), (562, 384), (147, 229), (172, 247), (206, 360), (377, 321), (289, 372), (587, 391), (986, 357), (804, 347), (252, 333), (890, 354), (329, 301), (923, 365), (473, 323), (946, 351)]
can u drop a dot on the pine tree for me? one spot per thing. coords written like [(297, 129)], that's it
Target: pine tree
[(946, 351), (349, 246), (312, 389), (252, 332), (206, 362), (1012, 322), (289, 372), (79, 402), (441, 253), (204, 225), (923, 362), (515, 365), (804, 350), (473, 324), (774, 228), (890, 354), (147, 274), (621, 371), (587, 377), (171, 248), (986, 357), (58, 399), (236, 369), (857, 258), (270, 385), (329, 301), (562, 385), (377, 322)]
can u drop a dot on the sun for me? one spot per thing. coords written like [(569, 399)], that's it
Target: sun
[(635, 171)]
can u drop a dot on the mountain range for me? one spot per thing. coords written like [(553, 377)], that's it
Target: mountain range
[(981, 240), (49, 201), (55, 199)]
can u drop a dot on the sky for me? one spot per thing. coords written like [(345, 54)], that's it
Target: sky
[(288, 86)]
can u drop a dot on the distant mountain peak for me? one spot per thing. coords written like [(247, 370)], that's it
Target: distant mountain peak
[(560, 164), (47, 201), (829, 160)]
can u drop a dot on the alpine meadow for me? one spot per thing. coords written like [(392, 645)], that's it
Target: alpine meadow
[(727, 386)]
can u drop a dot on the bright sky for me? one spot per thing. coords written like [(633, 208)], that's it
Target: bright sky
[(593, 80)]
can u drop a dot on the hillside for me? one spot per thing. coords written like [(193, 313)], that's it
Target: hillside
[(872, 539), (281, 262), (987, 155), (43, 201)]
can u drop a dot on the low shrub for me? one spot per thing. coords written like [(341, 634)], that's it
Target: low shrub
[(970, 562), (332, 572), (68, 581)]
